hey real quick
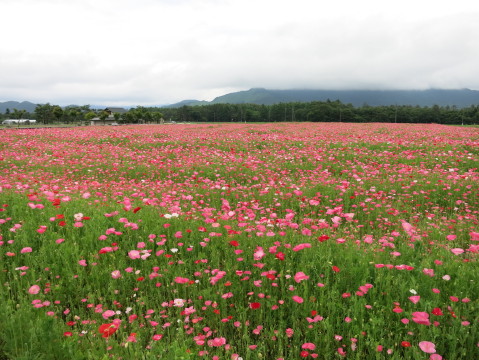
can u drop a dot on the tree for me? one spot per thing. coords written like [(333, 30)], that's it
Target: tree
[(44, 113), (57, 112), (18, 114), (103, 115), (157, 116), (89, 115)]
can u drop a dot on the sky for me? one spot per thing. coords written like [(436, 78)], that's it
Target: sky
[(157, 52)]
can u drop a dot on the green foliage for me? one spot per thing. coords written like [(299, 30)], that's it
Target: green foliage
[(322, 111)]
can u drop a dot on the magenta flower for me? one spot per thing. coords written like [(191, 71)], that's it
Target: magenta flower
[(415, 299), (421, 318), (300, 276), (181, 280), (116, 274), (107, 314), (259, 253), (134, 254), (428, 347), (457, 251), (34, 289), (301, 247), (298, 299), (308, 346)]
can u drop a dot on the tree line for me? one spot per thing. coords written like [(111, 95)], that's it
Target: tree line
[(50, 114), (323, 111), (316, 111)]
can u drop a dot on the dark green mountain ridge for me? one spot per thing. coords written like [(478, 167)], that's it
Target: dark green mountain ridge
[(442, 97), (24, 105)]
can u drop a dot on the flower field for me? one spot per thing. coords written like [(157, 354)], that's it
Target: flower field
[(239, 241)]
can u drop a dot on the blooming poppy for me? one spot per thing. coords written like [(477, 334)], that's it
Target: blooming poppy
[(107, 329), (437, 311), (255, 305), (428, 347)]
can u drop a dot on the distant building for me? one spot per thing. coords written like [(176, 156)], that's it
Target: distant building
[(19, 121), (116, 110), (110, 120)]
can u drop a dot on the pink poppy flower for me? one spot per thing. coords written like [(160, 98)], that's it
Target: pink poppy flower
[(108, 313), (298, 299), (34, 289), (300, 276), (415, 299), (308, 346), (421, 318), (428, 347), (457, 251), (116, 274), (134, 254), (301, 247), (259, 253)]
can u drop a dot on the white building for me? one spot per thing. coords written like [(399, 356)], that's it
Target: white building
[(18, 121)]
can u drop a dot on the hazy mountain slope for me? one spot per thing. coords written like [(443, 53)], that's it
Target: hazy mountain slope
[(459, 98)]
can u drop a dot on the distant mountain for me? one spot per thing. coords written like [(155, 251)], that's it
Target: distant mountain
[(188, 103), (459, 97), (24, 105)]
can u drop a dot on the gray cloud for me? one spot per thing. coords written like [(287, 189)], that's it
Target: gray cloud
[(129, 52)]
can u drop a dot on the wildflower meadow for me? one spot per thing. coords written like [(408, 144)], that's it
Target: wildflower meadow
[(240, 241)]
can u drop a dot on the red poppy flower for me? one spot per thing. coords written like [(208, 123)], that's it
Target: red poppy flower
[(135, 210), (107, 329), (405, 344), (335, 269), (234, 243), (437, 312), (255, 305)]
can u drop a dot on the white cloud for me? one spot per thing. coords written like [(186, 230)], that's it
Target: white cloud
[(155, 52)]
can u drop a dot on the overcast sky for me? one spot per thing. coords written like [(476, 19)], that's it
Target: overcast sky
[(154, 52)]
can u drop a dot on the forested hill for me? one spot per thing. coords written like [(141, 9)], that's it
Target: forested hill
[(10, 105), (460, 98)]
